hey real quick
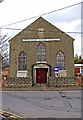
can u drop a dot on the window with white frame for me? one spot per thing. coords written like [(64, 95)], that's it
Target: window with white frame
[(82, 70), (41, 52), (60, 60), (22, 61)]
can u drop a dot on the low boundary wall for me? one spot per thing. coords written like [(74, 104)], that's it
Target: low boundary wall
[(24, 82), (19, 82), (63, 81)]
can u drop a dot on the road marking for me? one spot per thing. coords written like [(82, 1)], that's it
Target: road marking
[(9, 114)]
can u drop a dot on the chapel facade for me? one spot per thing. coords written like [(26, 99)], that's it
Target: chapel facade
[(38, 49)]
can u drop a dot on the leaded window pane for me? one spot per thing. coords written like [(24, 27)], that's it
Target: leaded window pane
[(60, 58), (22, 61), (41, 52)]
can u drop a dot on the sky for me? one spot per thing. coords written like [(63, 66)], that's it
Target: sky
[(68, 20)]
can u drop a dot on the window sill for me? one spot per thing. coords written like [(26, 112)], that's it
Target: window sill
[(22, 70), (41, 62)]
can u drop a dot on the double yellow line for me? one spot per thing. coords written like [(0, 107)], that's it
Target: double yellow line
[(11, 115)]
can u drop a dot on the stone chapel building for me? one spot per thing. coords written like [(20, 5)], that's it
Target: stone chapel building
[(38, 48)]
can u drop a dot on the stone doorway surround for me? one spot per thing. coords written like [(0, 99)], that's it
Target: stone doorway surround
[(40, 65)]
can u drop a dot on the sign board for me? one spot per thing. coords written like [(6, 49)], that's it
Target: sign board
[(57, 69), (38, 40)]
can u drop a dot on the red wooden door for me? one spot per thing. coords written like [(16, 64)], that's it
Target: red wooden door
[(41, 75), (77, 70)]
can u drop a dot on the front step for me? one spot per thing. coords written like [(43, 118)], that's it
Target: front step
[(41, 86)]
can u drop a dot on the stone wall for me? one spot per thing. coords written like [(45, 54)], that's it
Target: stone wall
[(24, 82), (18, 82), (62, 81)]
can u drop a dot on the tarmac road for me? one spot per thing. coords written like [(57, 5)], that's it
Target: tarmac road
[(43, 104)]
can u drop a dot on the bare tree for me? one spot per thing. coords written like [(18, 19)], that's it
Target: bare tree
[(4, 47)]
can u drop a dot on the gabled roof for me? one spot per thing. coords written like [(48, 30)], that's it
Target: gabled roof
[(50, 31)]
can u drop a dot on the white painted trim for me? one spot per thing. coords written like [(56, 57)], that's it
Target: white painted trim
[(22, 73), (41, 29), (78, 65), (38, 40), (41, 62), (41, 67)]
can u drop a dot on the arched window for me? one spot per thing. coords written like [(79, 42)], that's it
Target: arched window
[(60, 60), (22, 61), (41, 52)]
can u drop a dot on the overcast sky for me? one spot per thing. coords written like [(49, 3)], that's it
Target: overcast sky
[(68, 20)]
